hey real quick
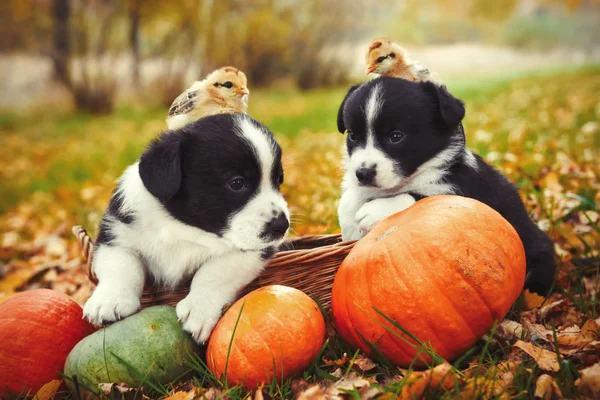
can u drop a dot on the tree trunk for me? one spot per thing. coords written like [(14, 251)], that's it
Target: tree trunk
[(134, 39), (62, 45)]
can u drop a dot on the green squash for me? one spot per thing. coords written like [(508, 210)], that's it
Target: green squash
[(149, 346)]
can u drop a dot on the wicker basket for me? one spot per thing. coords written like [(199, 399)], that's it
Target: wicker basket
[(308, 263)]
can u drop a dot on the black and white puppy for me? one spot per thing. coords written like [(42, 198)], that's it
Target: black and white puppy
[(405, 142), (202, 201)]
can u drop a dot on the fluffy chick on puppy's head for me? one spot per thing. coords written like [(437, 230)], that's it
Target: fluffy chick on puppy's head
[(223, 91), (387, 58)]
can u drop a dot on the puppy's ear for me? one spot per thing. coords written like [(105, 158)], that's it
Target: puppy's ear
[(451, 110), (340, 116), (160, 166)]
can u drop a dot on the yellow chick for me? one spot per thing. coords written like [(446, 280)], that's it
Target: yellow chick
[(387, 58), (223, 91)]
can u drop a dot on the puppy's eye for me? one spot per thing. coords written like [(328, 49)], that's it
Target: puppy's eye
[(280, 179), (237, 184), (380, 59), (351, 135), (227, 84), (396, 136)]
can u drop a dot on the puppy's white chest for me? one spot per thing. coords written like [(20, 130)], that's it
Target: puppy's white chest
[(170, 259)]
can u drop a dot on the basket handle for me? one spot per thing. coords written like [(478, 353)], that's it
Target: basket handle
[(87, 249)]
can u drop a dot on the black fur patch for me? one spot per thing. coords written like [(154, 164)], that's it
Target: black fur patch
[(105, 236), (267, 253), (115, 209), (189, 170)]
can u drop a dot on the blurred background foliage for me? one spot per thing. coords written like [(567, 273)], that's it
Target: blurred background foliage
[(101, 50)]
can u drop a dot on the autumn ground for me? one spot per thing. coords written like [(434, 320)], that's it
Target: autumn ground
[(57, 169)]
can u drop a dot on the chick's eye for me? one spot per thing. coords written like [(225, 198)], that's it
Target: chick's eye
[(396, 136), (227, 84), (237, 184), (380, 59)]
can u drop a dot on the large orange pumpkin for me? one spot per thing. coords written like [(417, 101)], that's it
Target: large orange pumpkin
[(280, 331), (444, 269), (38, 329)]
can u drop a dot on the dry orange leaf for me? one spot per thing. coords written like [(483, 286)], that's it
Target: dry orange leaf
[(48, 391), (590, 332), (532, 300), (589, 383), (442, 376), (545, 359), (338, 362), (545, 386)]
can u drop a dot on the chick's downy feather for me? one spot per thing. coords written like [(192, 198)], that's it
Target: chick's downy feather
[(223, 91), (387, 58)]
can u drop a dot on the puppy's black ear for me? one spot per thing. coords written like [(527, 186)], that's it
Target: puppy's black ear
[(451, 109), (340, 116), (160, 166)]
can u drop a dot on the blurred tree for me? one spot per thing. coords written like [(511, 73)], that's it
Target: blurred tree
[(62, 46), (134, 39)]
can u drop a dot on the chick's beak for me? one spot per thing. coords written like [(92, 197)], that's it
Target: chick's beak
[(371, 68), (243, 90)]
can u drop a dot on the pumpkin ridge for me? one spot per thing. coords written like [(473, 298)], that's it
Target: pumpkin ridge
[(351, 329), (386, 333), (478, 292), (449, 301), (394, 338), (425, 320)]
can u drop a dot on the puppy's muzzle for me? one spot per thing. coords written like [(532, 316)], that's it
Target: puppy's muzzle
[(276, 227), (366, 176)]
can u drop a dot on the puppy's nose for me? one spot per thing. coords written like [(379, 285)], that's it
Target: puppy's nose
[(366, 176), (279, 225)]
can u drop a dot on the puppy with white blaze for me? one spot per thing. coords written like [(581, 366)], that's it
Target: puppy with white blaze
[(405, 142), (202, 203)]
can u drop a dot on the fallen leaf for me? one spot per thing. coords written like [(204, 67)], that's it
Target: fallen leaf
[(258, 394), (532, 300), (590, 332), (538, 331), (110, 389), (48, 391), (483, 387), (348, 382), (364, 363), (549, 307), (302, 390), (338, 362), (441, 376), (545, 359), (545, 387), (589, 382), (511, 329), (181, 395)]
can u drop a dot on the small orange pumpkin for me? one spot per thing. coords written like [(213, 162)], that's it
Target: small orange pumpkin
[(280, 331), (38, 329), (444, 269)]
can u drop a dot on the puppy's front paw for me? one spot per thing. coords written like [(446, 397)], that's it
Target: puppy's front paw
[(106, 306), (379, 209), (198, 316), (368, 216)]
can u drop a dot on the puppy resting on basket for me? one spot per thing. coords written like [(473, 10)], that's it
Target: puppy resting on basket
[(203, 201), (404, 143)]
